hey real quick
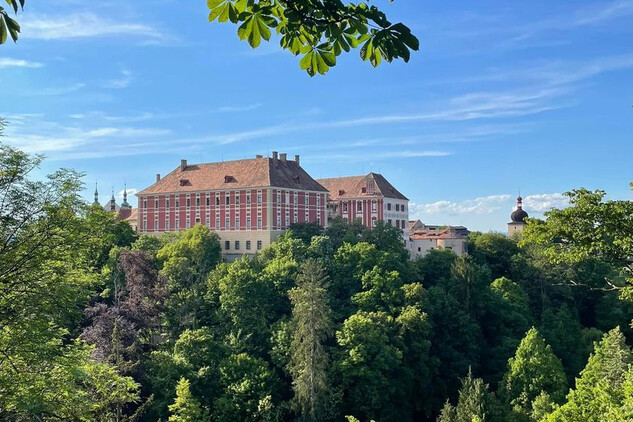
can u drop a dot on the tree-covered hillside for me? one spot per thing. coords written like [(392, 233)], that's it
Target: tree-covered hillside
[(99, 324)]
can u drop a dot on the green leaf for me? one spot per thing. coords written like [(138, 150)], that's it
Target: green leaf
[(3, 30)]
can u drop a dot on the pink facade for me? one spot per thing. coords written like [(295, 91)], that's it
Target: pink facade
[(231, 210)]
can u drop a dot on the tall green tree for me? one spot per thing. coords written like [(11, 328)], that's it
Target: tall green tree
[(186, 408), (312, 325), (599, 390), (533, 370), (475, 403), (186, 262)]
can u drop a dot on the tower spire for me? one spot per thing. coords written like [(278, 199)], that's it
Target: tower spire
[(125, 204), (96, 194)]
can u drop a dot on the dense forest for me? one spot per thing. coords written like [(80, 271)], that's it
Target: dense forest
[(99, 324)]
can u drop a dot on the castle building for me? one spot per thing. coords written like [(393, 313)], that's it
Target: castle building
[(518, 216), (369, 198), (248, 203), (123, 212), (424, 238)]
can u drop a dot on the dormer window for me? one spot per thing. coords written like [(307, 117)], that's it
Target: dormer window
[(228, 179), (184, 182), (363, 189), (341, 192), (296, 179)]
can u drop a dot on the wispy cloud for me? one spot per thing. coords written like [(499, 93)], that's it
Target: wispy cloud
[(233, 109), (123, 81), (9, 62), (481, 205), (84, 25), (61, 90)]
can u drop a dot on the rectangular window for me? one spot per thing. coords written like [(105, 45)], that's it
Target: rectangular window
[(227, 223), (217, 199), (227, 245), (237, 198), (166, 224), (318, 200), (188, 224), (227, 199), (259, 245), (287, 220), (167, 203), (197, 220), (296, 198), (359, 206), (278, 197), (296, 217), (248, 245), (388, 207), (237, 245), (156, 225), (208, 200), (397, 207), (248, 222), (373, 206), (217, 223), (177, 225), (237, 223), (145, 203), (259, 197), (389, 222), (188, 202), (248, 197), (197, 201), (177, 202), (307, 196), (156, 203), (259, 222), (345, 206), (145, 224), (287, 197), (278, 221)]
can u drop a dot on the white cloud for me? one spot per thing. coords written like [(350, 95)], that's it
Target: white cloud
[(123, 81), (481, 205), (84, 25), (9, 62), (130, 192), (544, 202)]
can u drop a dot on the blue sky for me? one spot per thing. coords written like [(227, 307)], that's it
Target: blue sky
[(535, 96)]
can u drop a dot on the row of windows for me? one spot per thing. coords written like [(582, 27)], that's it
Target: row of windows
[(400, 224), (227, 245), (399, 207), (227, 199)]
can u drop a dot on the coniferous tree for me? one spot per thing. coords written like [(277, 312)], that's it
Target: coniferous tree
[(533, 370), (599, 390), (186, 407), (311, 321)]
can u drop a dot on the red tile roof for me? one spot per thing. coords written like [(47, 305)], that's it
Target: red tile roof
[(239, 174), (352, 187)]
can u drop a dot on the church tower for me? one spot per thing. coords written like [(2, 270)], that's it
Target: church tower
[(517, 223), (125, 204)]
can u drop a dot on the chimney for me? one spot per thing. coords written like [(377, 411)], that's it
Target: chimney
[(157, 177), (283, 156), (183, 165), (275, 158), (297, 159), (258, 156)]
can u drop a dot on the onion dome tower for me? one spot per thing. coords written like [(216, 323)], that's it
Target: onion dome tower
[(517, 218)]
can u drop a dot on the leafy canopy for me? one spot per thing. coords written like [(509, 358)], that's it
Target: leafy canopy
[(318, 30)]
